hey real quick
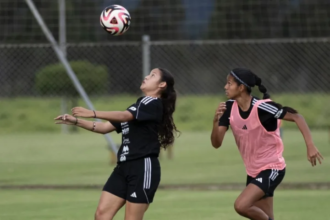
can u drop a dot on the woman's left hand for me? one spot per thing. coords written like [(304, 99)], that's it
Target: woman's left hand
[(313, 154), (82, 112)]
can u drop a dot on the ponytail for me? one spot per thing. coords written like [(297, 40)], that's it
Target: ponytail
[(247, 78), (263, 90), (167, 128)]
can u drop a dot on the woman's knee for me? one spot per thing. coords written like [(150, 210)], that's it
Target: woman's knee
[(102, 214), (240, 207)]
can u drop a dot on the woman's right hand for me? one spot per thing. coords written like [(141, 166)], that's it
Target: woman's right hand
[(220, 110), (66, 119)]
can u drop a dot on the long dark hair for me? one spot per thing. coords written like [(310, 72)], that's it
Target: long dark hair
[(167, 129), (249, 80)]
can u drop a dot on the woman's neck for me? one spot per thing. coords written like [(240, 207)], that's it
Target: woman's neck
[(244, 102), (152, 94)]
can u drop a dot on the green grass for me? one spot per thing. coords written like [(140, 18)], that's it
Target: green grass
[(194, 113), (83, 159), (176, 205)]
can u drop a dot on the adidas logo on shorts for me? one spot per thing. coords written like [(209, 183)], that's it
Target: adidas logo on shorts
[(134, 195), (259, 180)]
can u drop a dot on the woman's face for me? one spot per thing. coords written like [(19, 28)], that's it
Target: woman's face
[(152, 81), (232, 89)]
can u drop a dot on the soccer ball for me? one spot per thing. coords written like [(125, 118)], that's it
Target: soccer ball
[(115, 20)]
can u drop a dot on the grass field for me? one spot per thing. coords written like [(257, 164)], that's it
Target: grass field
[(83, 159), (168, 205), (193, 113)]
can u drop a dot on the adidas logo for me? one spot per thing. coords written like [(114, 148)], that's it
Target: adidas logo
[(244, 127), (259, 180), (134, 195), (278, 114)]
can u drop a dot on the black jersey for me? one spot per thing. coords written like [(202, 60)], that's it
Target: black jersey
[(140, 136), (268, 114)]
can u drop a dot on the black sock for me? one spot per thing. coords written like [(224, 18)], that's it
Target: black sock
[(270, 219)]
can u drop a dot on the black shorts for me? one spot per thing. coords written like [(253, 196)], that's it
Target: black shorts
[(135, 181), (267, 180)]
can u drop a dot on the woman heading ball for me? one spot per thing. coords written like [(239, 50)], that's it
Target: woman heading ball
[(146, 126)]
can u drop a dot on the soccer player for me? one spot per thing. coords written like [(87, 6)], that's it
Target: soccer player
[(255, 125), (146, 126)]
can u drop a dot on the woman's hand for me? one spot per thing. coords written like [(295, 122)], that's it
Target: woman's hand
[(313, 154), (82, 112), (66, 119), (219, 111)]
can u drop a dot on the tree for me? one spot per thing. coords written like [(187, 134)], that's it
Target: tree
[(53, 80)]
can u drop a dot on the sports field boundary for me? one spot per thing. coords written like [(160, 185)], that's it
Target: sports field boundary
[(205, 187)]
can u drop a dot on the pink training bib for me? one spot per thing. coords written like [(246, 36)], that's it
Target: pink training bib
[(259, 148)]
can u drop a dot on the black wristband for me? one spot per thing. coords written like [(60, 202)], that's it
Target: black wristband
[(94, 114), (76, 121)]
